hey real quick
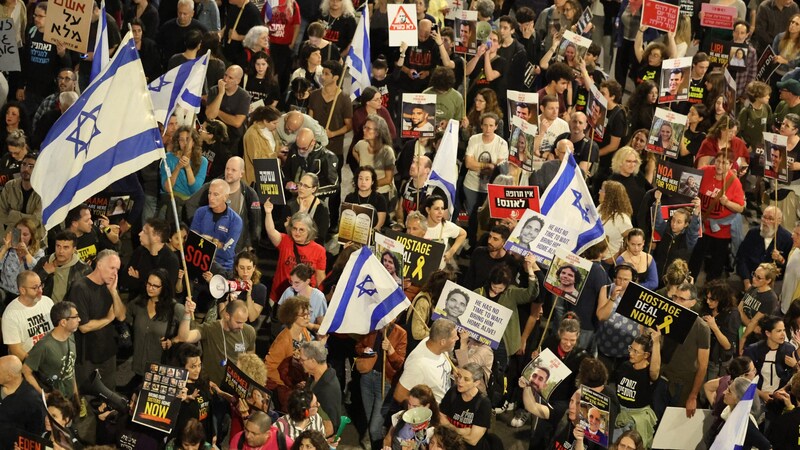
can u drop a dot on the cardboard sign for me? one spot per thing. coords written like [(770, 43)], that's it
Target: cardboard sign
[(421, 257), (594, 413), (718, 54), (524, 105), (30, 441), (391, 253), (675, 80), (678, 432), (467, 33), (659, 15), (269, 181), (521, 143), (539, 236), (596, 113), (729, 92), (419, 113), (666, 133), (777, 163), (573, 47), (238, 384), (510, 202), (558, 371), (9, 53), (402, 25), (199, 254), (455, 9), (68, 22), (567, 275), (158, 405), (645, 307), (356, 222), (484, 320), (737, 57), (680, 182), (717, 16), (766, 65)]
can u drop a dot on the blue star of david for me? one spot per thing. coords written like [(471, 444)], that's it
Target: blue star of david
[(161, 84), (75, 137), (577, 204), (362, 289)]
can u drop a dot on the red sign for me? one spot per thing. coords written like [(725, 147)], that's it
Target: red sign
[(718, 16), (510, 202), (661, 16)]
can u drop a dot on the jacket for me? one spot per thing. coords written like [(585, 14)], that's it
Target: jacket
[(752, 251), (77, 270), (510, 298), (11, 204), (321, 162), (257, 147), (671, 246), (228, 230), (394, 362), (758, 352), (250, 213)]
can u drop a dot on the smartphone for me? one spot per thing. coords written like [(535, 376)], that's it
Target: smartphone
[(16, 236), (435, 28)]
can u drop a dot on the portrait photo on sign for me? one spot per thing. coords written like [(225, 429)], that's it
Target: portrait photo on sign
[(545, 372), (520, 151), (666, 133), (674, 84), (594, 416), (483, 319), (567, 275), (596, 111), (777, 164), (466, 34), (391, 253), (524, 236), (689, 184), (737, 56), (540, 235), (573, 48), (419, 112)]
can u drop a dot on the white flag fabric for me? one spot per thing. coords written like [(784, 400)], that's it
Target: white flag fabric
[(366, 297), (569, 201), (181, 86), (444, 170), (732, 434), (358, 58), (109, 132), (101, 54)]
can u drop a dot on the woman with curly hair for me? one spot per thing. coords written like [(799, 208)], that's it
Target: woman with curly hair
[(723, 319), (187, 164), (615, 212), (16, 118), (641, 106), (21, 256), (446, 438), (284, 368), (485, 101), (625, 169), (310, 438), (649, 58)]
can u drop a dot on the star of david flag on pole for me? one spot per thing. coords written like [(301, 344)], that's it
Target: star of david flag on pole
[(569, 200), (181, 86), (366, 298), (101, 55), (109, 132), (732, 435), (358, 59), (444, 170)]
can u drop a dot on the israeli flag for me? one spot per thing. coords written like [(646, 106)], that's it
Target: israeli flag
[(444, 170), (366, 298), (182, 86), (569, 200), (732, 435), (358, 59), (109, 132), (101, 56)]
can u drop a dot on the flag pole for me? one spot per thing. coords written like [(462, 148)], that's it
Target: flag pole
[(547, 324), (383, 368), (178, 228)]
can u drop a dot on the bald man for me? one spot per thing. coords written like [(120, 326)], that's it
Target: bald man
[(545, 175), (230, 103), (766, 243), (21, 407), (242, 198), (308, 155), (219, 223), (291, 122), (420, 61)]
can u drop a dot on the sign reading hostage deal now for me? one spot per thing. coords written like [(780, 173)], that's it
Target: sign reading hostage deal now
[(654, 311)]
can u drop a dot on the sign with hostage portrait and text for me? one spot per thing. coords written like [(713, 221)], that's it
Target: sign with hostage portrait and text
[(483, 319), (421, 257)]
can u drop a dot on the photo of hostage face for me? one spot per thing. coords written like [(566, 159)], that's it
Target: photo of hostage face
[(675, 79), (456, 304), (419, 118), (568, 276), (595, 420), (530, 230), (465, 34), (539, 379)]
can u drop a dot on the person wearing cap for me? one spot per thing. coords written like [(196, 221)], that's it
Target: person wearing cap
[(790, 101)]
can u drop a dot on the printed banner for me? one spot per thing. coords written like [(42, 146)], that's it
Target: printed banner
[(510, 202), (68, 22), (666, 133), (9, 53), (157, 405), (573, 47), (356, 223), (269, 181), (717, 16), (199, 254), (539, 236), (466, 33), (594, 416), (777, 163), (419, 112), (539, 379), (567, 275), (524, 105), (645, 307), (484, 320), (391, 253), (659, 15), (596, 112), (238, 384), (113, 207), (675, 80), (766, 65), (520, 152), (402, 25), (679, 182), (585, 21), (421, 257), (30, 441), (718, 54)]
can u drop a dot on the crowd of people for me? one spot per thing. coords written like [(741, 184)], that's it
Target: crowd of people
[(104, 295)]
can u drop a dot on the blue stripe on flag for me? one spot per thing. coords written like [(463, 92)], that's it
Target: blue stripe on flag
[(560, 185), (449, 187), (385, 307), (183, 73), (341, 310)]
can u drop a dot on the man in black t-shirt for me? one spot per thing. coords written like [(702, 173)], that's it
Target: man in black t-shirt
[(420, 61), (484, 259)]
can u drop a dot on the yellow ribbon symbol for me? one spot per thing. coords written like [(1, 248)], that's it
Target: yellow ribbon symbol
[(418, 270), (665, 324)]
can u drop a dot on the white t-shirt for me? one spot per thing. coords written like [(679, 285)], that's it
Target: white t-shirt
[(24, 325), (443, 233), (791, 278), (494, 152), (556, 129), (424, 367)]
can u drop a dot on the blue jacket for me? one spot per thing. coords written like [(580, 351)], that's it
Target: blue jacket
[(227, 230), (752, 251)]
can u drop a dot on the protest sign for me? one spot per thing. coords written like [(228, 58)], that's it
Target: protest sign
[(573, 47), (269, 181), (659, 15), (777, 164), (680, 182), (238, 384), (199, 253), (678, 432), (158, 405), (585, 21), (524, 105), (558, 372), (718, 54), (520, 152), (594, 415), (402, 25), (510, 202), (467, 36), (666, 213), (596, 111), (567, 275), (68, 22), (30, 441), (717, 16), (675, 80), (392, 255), (60, 434), (483, 319), (539, 236), (419, 112), (654, 311), (729, 92), (687, 7), (737, 56), (421, 257), (455, 9), (356, 223), (666, 133), (9, 53), (766, 65)]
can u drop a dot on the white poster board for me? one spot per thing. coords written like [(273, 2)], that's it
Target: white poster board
[(402, 25)]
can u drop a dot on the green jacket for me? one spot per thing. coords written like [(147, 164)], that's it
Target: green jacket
[(511, 298)]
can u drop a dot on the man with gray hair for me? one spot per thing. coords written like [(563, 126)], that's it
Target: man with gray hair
[(218, 223), (290, 124), (768, 242), (325, 383), (416, 224), (171, 35), (309, 156), (22, 407), (98, 303), (429, 364)]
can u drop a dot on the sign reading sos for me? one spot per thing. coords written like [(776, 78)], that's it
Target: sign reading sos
[(199, 253)]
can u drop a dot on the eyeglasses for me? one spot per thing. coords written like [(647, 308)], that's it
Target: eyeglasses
[(154, 286), (35, 288), (757, 277), (303, 185), (74, 317), (634, 351)]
